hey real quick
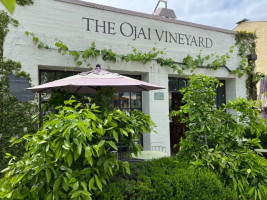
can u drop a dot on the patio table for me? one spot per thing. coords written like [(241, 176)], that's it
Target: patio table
[(148, 155)]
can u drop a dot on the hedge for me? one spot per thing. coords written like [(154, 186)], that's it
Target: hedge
[(166, 179)]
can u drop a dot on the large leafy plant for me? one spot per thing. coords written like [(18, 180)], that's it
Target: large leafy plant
[(73, 154), (15, 116), (212, 138)]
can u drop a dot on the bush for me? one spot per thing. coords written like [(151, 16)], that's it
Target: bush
[(71, 156), (211, 139), (166, 179), (15, 116)]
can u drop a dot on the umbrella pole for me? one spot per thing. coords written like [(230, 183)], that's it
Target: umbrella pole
[(83, 100), (40, 110)]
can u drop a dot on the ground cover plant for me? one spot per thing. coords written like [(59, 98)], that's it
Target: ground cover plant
[(72, 155), (166, 178), (212, 137)]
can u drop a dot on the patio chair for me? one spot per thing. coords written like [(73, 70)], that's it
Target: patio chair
[(158, 147)]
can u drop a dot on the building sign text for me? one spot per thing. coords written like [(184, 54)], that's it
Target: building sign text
[(134, 32)]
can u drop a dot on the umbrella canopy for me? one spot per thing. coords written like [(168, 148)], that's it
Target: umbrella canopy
[(89, 82), (262, 97)]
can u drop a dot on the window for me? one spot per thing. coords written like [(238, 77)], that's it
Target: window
[(127, 100), (175, 84), (46, 76), (220, 97)]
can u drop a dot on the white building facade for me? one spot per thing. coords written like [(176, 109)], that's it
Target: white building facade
[(78, 24)]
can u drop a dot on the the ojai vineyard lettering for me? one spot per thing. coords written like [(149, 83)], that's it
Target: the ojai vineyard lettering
[(135, 32)]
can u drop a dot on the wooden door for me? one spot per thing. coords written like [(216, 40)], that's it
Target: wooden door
[(177, 129)]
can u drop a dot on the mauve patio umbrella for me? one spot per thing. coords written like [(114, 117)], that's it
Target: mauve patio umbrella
[(89, 82), (262, 97)]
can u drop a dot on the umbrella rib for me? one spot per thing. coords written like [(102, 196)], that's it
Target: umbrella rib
[(43, 90), (142, 88), (95, 88), (78, 89)]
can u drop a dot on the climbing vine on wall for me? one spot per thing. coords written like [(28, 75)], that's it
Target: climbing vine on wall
[(83, 57), (24, 2), (5, 20), (246, 43)]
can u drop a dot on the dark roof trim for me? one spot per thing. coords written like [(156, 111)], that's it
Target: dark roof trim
[(241, 21), (148, 16)]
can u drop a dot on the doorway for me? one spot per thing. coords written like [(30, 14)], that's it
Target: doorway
[(177, 129)]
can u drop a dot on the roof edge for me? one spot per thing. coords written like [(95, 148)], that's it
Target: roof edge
[(144, 15)]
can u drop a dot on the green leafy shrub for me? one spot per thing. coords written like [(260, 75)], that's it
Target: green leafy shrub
[(212, 137), (72, 155), (263, 138), (15, 116), (166, 179)]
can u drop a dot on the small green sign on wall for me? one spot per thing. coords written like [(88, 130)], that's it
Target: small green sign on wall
[(158, 96)]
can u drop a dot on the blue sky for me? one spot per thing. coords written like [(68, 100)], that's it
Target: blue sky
[(217, 13)]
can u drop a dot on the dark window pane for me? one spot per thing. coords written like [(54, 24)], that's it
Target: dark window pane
[(114, 101), (47, 77), (60, 75), (220, 97), (125, 100), (137, 77), (136, 100), (51, 75), (173, 84), (182, 83)]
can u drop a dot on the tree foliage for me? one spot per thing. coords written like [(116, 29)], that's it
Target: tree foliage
[(15, 117), (212, 139), (246, 43), (74, 153)]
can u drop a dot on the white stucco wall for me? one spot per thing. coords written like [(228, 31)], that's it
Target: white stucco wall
[(50, 20)]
